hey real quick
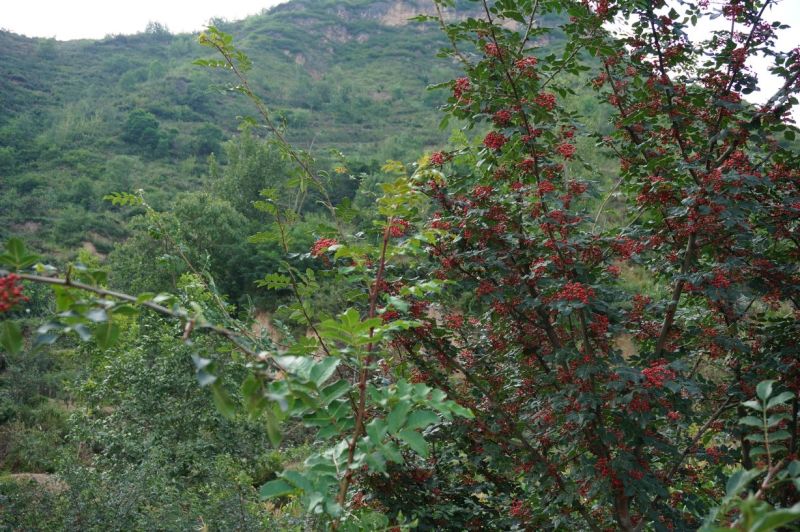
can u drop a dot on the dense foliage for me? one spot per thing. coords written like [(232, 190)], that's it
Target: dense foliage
[(482, 345)]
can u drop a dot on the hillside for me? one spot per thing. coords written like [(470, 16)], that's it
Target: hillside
[(80, 119)]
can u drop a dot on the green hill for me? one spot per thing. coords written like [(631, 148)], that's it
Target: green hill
[(81, 119)]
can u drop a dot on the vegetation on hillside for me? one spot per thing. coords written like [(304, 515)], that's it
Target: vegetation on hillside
[(549, 321)]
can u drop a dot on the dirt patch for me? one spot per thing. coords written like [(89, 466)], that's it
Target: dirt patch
[(380, 96), (337, 34), (27, 227), (624, 343), (262, 326), (399, 14), (49, 483)]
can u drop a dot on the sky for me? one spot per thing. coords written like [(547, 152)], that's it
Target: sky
[(94, 19), (785, 11)]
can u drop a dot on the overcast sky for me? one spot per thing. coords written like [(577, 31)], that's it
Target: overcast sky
[(94, 19)]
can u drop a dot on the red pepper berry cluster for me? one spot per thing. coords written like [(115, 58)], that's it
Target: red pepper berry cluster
[(494, 140), (575, 292), (492, 50), (502, 117), (546, 100), (438, 158), (322, 245), (526, 64), (10, 292), (398, 227), (566, 150), (461, 86), (657, 374)]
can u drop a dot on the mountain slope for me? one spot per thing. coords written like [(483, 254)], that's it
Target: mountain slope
[(80, 119)]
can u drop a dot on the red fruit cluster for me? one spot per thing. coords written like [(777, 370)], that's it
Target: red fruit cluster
[(566, 150), (322, 245), (575, 292), (502, 117), (492, 50), (461, 86), (398, 227), (526, 63), (437, 158), (657, 374), (390, 315), (519, 510), (494, 140), (10, 292), (546, 100), (482, 192)]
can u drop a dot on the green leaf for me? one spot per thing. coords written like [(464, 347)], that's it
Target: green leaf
[(276, 488), (97, 315), (753, 405), (764, 389), (334, 391), (222, 400), (274, 281), (83, 332), (397, 416), (779, 435), (273, 429), (106, 334), (415, 440), (10, 336), (776, 519), (780, 399), (751, 421), (323, 370), (419, 419), (204, 378), (459, 410), (739, 481), (17, 257)]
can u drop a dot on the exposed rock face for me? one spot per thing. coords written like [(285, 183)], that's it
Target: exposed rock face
[(392, 13), (399, 13)]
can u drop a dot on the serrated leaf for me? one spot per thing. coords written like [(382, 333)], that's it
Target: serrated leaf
[(764, 389), (106, 334), (10, 336), (397, 416), (273, 429), (97, 315), (375, 430), (419, 419), (414, 440), (332, 392), (323, 370), (17, 257), (751, 421), (753, 405), (739, 480), (222, 400), (275, 488), (779, 399), (775, 519), (83, 332), (275, 281), (205, 378), (459, 410), (779, 435)]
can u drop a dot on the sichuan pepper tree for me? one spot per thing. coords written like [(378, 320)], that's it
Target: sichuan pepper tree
[(606, 357), (599, 404)]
